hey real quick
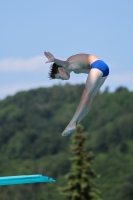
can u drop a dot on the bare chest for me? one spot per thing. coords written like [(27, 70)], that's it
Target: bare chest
[(78, 68)]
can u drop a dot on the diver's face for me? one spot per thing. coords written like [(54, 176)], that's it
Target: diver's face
[(62, 74)]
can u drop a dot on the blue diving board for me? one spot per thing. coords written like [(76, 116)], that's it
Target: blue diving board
[(24, 179)]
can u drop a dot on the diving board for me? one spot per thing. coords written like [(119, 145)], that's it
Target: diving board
[(24, 179)]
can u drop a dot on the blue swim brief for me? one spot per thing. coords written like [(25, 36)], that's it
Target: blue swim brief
[(102, 66)]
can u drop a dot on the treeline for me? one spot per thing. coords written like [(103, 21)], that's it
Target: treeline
[(31, 124)]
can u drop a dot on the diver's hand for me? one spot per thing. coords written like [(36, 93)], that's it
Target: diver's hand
[(69, 129), (50, 57)]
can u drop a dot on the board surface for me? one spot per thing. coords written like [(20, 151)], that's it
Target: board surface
[(24, 179)]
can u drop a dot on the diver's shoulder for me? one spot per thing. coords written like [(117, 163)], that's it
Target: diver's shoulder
[(78, 56)]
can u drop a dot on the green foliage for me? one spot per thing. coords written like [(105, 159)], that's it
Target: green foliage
[(80, 178), (31, 124)]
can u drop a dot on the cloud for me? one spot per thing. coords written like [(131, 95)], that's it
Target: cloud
[(113, 82), (121, 79), (25, 74), (12, 89), (20, 64)]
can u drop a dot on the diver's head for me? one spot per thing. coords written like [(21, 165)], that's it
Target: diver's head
[(58, 72)]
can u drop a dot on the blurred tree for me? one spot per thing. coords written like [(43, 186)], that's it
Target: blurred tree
[(121, 89), (80, 178), (106, 90), (127, 189)]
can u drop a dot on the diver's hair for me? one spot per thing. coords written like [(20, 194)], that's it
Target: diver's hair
[(53, 70)]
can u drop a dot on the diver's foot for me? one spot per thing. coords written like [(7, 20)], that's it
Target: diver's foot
[(69, 129)]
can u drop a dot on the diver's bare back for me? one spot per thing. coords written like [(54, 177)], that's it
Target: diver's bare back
[(80, 63)]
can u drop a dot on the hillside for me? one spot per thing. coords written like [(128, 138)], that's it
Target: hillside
[(31, 124)]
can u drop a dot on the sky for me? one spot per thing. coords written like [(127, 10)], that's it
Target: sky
[(64, 28)]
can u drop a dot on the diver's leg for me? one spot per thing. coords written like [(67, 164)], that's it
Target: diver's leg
[(92, 94), (93, 84)]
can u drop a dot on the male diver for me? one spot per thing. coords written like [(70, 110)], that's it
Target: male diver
[(97, 71)]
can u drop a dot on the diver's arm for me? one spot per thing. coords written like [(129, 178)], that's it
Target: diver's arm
[(62, 63), (51, 58)]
